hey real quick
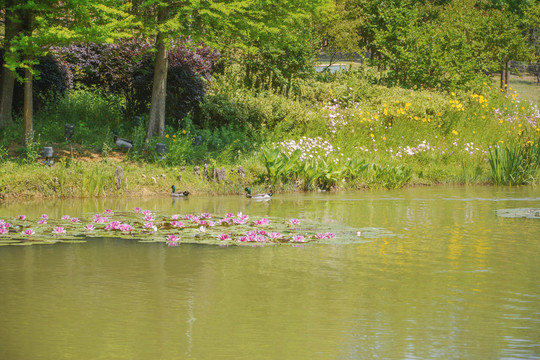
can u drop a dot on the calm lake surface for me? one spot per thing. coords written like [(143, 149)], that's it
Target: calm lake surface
[(457, 282)]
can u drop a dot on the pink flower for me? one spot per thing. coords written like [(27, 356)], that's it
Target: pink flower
[(148, 225), (66, 217), (175, 217), (89, 227), (172, 237), (177, 224), (108, 211), (297, 238), (44, 216), (58, 230), (262, 222), (41, 222), (188, 217), (147, 212), (223, 237), (238, 221), (294, 221), (211, 223), (205, 215), (22, 217), (274, 235), (126, 227), (243, 239), (148, 218), (75, 220), (203, 222), (260, 238), (172, 240), (4, 225), (137, 209), (261, 232), (229, 215), (224, 221), (28, 232), (320, 236), (3, 231), (330, 235)]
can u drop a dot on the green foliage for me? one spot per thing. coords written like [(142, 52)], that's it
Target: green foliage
[(92, 114), (515, 164), (391, 177), (322, 174), (31, 149)]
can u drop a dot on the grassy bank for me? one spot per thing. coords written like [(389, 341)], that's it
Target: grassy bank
[(333, 131)]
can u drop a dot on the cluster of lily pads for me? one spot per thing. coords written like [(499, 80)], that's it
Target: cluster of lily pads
[(150, 226)]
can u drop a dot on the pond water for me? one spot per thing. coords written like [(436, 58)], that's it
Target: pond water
[(452, 280)]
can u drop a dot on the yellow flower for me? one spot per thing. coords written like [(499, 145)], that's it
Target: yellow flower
[(453, 93), (167, 136), (184, 132), (454, 132), (474, 132), (372, 135), (384, 138), (174, 136)]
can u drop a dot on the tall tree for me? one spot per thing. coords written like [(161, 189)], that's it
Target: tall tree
[(11, 29), (249, 25), (45, 23)]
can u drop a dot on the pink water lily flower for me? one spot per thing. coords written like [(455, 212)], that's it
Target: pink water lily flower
[(59, 230), (126, 227), (41, 222), (294, 221), (66, 217), (148, 218), (330, 235), (148, 225), (172, 237), (175, 217), (22, 217), (177, 224), (89, 227), (44, 216), (211, 223), (229, 215), (224, 237), (274, 235), (3, 231), (75, 220), (320, 236), (28, 232), (108, 211), (147, 212), (205, 215), (172, 240), (297, 238), (137, 209)]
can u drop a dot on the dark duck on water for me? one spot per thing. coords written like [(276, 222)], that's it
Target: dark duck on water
[(175, 194)]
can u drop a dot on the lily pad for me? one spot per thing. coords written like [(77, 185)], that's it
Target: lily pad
[(530, 213), (151, 227)]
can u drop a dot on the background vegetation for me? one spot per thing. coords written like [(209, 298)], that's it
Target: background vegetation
[(428, 100)]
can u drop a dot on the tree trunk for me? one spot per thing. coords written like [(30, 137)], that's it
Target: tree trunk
[(156, 122), (8, 80), (504, 76), (28, 104)]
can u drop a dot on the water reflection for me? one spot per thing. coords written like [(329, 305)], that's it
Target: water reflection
[(459, 283)]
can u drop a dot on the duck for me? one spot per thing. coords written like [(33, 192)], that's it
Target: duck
[(182, 194), (123, 142), (257, 196)]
